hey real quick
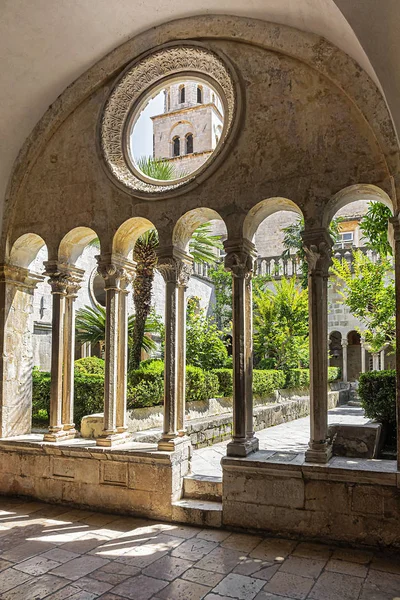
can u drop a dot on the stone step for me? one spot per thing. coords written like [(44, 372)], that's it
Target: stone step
[(202, 487), (197, 512), (356, 403)]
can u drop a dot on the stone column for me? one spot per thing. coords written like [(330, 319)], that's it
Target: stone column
[(375, 361), (396, 253), (175, 267), (318, 249), (239, 260), (183, 281), (117, 275), (362, 344), (17, 286), (345, 344), (64, 281)]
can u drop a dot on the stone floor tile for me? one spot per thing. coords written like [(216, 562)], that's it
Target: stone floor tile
[(117, 568), (184, 531), (93, 585), (381, 586), (221, 560), (242, 542), (181, 589), (79, 567), (213, 535), (10, 578), (168, 568), (267, 572), (111, 578), (5, 564), (37, 565), (139, 588), (353, 555), (204, 577), (306, 567), (248, 565), (288, 584), (268, 596), (336, 586), (110, 596), (216, 597), (273, 549), (386, 563), (82, 595), (36, 589), (142, 555), (346, 567), (26, 550), (239, 586), (313, 550), (65, 593), (59, 555), (194, 549), (85, 544)]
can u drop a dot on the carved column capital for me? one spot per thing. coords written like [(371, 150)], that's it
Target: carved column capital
[(239, 258), (175, 266), (20, 277), (116, 272), (345, 343), (317, 246), (64, 279)]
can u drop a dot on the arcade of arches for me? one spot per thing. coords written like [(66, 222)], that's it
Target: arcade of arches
[(305, 130)]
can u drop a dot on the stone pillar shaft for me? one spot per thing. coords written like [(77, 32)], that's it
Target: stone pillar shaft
[(117, 275), (383, 360), (175, 267), (344, 356), (317, 246), (396, 234), (239, 260), (362, 355)]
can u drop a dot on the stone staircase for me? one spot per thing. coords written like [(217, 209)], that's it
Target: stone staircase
[(354, 399), (201, 503)]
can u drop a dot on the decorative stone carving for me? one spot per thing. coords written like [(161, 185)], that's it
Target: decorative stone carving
[(318, 257), (175, 270), (239, 263), (116, 274), (141, 77)]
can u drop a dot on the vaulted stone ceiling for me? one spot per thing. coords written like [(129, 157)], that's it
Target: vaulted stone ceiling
[(45, 45)]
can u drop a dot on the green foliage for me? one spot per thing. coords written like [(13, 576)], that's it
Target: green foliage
[(222, 281), (148, 392), (281, 326), (40, 396), (225, 382), (377, 391), (203, 244), (300, 378), (90, 364), (265, 382), (200, 385), (204, 346), (293, 244), (369, 292), (157, 168), (374, 227)]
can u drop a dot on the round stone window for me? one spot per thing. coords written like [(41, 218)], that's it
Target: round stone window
[(167, 120)]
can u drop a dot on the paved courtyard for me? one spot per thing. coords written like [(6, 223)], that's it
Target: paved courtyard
[(56, 553), (288, 437)]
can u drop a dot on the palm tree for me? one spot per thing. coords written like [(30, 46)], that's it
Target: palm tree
[(90, 326), (156, 168), (201, 247)]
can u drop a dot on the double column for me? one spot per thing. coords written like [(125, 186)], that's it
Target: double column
[(239, 260), (64, 281), (345, 345), (318, 250), (175, 267), (117, 274)]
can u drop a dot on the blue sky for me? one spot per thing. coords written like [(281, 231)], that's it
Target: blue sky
[(142, 134)]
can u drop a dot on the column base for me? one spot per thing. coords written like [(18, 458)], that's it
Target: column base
[(242, 448), (109, 439), (168, 444), (319, 453), (60, 435)]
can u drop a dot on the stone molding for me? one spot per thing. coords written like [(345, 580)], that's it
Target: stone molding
[(239, 259), (117, 273), (318, 251), (138, 79), (64, 279), (19, 276)]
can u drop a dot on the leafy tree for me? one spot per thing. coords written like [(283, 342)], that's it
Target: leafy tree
[(201, 247), (222, 281), (281, 326), (369, 292), (293, 244), (374, 226), (90, 326), (157, 168), (204, 346)]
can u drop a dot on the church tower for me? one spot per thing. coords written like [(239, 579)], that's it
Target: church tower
[(189, 129)]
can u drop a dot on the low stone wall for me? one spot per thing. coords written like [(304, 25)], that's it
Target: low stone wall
[(352, 502)]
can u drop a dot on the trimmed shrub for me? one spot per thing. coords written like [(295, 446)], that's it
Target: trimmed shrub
[(377, 392), (90, 364), (40, 396), (265, 382), (225, 381), (334, 373), (300, 378), (148, 392)]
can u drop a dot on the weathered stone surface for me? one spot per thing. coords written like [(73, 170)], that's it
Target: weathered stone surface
[(363, 441)]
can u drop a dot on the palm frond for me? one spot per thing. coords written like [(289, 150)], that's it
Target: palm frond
[(156, 168)]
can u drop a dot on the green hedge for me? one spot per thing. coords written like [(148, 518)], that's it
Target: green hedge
[(377, 392), (265, 382), (225, 382), (90, 364), (300, 378)]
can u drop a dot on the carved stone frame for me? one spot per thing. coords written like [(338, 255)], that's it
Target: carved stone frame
[(188, 59)]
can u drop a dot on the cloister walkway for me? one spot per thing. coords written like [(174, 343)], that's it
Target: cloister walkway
[(292, 437)]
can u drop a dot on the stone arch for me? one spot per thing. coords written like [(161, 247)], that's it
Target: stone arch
[(352, 194), (25, 249), (265, 209), (73, 244), (127, 234), (189, 222)]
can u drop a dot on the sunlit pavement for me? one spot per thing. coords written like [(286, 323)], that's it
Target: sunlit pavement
[(52, 552)]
